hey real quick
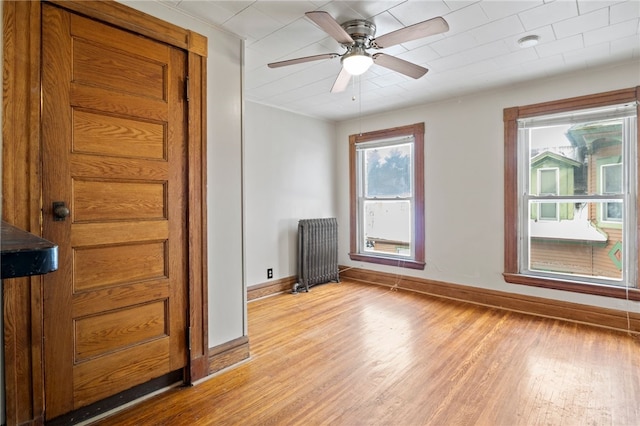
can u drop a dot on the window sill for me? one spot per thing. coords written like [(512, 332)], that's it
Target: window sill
[(391, 261), (576, 287)]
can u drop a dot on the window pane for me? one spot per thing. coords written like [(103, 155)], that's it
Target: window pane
[(387, 227), (582, 238), (575, 245), (612, 179), (548, 182), (613, 212), (580, 153), (611, 184), (548, 211), (388, 171), (548, 185)]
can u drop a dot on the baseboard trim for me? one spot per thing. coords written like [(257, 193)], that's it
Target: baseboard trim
[(550, 308), (270, 288), (228, 354)]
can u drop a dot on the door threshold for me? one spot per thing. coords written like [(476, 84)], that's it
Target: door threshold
[(99, 410)]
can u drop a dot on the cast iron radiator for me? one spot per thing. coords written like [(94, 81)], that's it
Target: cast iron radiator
[(317, 252)]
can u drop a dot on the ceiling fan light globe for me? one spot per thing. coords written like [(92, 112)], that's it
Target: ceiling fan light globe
[(357, 64)]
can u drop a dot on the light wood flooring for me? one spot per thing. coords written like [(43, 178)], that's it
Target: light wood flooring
[(359, 354)]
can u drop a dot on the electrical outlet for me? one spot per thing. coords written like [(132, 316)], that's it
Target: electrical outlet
[(269, 273)]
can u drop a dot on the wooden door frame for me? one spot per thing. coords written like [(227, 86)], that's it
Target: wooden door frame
[(22, 188)]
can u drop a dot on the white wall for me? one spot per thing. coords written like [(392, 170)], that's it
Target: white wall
[(289, 174), (464, 179), (227, 306), (224, 167)]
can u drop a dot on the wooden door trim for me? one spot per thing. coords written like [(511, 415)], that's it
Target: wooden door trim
[(22, 188), (138, 22), (197, 216), (22, 297)]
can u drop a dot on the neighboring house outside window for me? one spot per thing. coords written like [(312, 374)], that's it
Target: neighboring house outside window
[(387, 196), (571, 195)]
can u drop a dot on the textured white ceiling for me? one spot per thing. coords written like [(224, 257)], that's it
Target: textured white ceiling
[(480, 50)]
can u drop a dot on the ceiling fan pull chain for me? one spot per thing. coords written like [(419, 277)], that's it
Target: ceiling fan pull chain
[(353, 89), (359, 105)]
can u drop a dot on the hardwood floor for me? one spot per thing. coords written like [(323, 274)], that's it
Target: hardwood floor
[(358, 354)]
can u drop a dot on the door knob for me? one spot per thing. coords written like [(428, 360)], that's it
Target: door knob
[(60, 211)]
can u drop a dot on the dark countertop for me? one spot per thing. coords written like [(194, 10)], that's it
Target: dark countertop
[(25, 254)]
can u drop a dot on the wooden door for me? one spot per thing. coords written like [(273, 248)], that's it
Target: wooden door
[(114, 152)]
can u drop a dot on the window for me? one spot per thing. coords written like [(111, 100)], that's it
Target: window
[(548, 185), (571, 194), (387, 196), (611, 185)]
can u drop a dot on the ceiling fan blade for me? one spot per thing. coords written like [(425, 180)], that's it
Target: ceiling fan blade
[(302, 60), (413, 32), (399, 65), (342, 81), (330, 26)]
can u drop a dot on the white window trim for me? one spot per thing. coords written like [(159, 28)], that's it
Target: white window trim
[(629, 197), (361, 149)]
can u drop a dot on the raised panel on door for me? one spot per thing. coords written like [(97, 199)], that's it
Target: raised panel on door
[(114, 152), (93, 266), (117, 200), (118, 136)]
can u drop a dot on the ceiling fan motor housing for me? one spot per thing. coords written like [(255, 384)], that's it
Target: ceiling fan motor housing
[(361, 31)]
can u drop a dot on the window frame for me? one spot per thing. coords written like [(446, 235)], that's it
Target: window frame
[(511, 116), (418, 237)]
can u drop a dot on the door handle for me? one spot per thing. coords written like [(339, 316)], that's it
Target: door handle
[(60, 211)]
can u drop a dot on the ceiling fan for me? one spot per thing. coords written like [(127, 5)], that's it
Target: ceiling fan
[(357, 36)]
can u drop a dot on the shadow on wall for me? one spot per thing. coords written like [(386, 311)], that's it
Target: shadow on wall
[(288, 246)]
